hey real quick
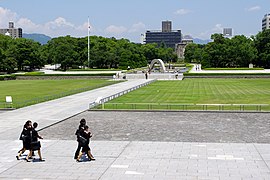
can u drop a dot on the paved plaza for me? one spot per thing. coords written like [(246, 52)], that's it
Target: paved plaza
[(207, 127), (138, 145)]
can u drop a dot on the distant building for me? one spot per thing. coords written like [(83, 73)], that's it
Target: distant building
[(167, 36), (166, 26), (181, 47), (227, 32), (11, 31), (266, 22)]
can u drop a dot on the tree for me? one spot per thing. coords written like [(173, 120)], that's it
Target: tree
[(262, 44), (223, 52), (26, 53)]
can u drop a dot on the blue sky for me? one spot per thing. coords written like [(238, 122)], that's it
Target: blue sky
[(130, 18)]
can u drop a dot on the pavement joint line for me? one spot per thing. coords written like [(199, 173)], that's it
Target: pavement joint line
[(100, 177), (61, 121), (261, 156), (16, 164)]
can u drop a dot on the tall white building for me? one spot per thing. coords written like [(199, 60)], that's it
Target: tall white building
[(12, 31), (266, 22)]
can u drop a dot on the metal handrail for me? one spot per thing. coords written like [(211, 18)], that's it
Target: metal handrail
[(116, 95), (191, 107)]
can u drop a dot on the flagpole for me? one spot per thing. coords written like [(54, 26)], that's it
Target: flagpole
[(88, 29)]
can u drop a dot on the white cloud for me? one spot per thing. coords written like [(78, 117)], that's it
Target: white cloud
[(6, 15), (59, 22), (137, 27), (62, 27), (57, 27), (218, 28), (182, 11), (27, 24), (115, 30), (254, 8)]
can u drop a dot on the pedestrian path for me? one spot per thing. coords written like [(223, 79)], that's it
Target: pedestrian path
[(140, 160), (197, 69), (51, 112)]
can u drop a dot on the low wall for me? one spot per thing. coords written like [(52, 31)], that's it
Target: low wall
[(158, 76)]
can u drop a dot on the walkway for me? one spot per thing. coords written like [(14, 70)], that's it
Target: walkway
[(50, 112), (199, 70)]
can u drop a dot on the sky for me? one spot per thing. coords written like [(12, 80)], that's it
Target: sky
[(131, 18)]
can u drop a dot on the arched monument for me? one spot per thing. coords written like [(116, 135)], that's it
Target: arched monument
[(159, 61), (162, 75)]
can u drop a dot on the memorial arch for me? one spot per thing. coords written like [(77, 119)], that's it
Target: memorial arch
[(159, 61)]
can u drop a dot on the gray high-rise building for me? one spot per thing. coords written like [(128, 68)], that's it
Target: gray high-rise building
[(227, 32), (166, 26), (266, 22), (11, 31), (167, 36)]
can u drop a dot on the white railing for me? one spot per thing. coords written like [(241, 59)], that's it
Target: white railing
[(188, 107), (106, 99)]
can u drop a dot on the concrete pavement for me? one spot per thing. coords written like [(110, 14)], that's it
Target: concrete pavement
[(200, 70), (140, 160)]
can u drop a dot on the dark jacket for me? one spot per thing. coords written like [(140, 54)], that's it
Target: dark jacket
[(79, 132), (35, 135), (26, 137), (87, 136)]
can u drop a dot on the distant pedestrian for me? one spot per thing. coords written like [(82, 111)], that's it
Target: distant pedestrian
[(146, 75), (85, 143), (176, 74), (79, 133), (26, 137)]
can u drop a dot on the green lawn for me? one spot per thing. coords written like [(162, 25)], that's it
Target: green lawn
[(27, 92), (198, 91)]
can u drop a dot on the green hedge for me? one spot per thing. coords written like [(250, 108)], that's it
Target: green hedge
[(7, 77), (33, 73)]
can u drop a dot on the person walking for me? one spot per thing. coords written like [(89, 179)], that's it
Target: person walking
[(146, 75), (35, 144), (79, 133), (26, 137), (86, 149)]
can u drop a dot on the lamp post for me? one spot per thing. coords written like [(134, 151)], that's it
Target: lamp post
[(88, 28)]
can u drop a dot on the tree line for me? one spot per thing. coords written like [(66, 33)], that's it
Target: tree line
[(20, 54), (238, 51)]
